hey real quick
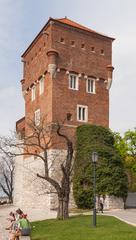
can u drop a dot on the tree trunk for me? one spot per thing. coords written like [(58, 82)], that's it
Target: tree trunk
[(60, 209), (63, 208), (66, 209), (10, 198)]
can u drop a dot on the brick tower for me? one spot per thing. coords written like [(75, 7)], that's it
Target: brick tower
[(67, 75)]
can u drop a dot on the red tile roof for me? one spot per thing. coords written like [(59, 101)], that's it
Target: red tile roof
[(77, 25), (73, 24)]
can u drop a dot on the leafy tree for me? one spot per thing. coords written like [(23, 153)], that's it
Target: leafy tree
[(111, 177), (127, 148), (120, 144), (130, 141)]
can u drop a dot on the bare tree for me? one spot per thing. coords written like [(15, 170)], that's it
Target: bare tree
[(37, 144), (7, 167)]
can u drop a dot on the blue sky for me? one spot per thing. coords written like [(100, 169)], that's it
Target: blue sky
[(21, 20)]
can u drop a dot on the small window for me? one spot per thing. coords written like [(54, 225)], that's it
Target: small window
[(33, 93), (41, 85), (62, 40), (83, 46), (73, 43), (90, 85), (102, 52), (82, 113), (73, 81), (69, 116), (37, 117), (92, 49)]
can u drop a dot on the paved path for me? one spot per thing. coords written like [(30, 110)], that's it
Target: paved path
[(128, 216), (4, 211)]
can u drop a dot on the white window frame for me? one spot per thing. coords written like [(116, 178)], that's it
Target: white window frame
[(41, 86), (33, 93), (90, 85), (37, 117), (82, 116), (72, 85)]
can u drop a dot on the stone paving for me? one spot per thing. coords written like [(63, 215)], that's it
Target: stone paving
[(128, 216), (4, 211)]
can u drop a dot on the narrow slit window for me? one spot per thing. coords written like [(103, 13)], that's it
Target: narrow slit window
[(102, 52), (92, 49), (41, 85), (83, 46), (73, 43), (62, 40), (33, 93), (37, 117)]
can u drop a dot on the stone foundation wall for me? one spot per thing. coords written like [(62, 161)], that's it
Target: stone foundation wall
[(32, 192), (29, 190), (111, 202)]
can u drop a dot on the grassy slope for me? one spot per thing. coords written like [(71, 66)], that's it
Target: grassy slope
[(79, 228)]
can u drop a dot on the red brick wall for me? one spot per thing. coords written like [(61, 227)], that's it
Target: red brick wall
[(36, 60), (82, 60), (58, 99)]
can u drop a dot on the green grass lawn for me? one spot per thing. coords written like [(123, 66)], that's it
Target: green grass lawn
[(80, 228)]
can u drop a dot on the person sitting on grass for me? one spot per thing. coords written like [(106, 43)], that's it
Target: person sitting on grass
[(23, 228), (12, 220)]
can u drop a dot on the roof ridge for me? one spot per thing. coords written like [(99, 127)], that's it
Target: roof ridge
[(78, 25), (68, 19)]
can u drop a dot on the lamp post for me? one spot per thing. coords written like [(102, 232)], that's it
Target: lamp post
[(94, 160)]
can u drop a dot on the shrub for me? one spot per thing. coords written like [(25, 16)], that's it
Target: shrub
[(110, 174)]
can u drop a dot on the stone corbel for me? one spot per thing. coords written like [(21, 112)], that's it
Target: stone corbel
[(85, 77), (58, 69), (109, 80), (67, 72), (24, 93), (52, 62), (23, 86), (79, 75), (52, 70)]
